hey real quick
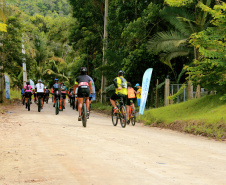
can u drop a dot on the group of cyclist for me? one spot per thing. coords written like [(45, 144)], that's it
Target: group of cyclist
[(38, 91), (125, 90), (83, 89)]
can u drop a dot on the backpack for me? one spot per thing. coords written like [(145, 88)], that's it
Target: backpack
[(131, 93), (123, 82)]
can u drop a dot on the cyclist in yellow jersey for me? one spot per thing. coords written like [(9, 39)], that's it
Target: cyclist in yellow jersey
[(120, 89)]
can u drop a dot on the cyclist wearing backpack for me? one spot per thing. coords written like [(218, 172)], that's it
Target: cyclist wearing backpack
[(40, 89), (63, 94), (27, 92), (120, 84)]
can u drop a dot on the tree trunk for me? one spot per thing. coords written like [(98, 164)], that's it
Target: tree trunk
[(104, 79)]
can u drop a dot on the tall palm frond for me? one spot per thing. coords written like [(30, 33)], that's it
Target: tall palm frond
[(168, 40), (180, 18)]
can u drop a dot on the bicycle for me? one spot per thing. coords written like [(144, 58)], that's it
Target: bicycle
[(132, 114), (84, 111), (39, 104), (120, 114)]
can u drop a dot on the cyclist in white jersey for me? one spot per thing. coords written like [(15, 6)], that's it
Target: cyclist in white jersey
[(40, 89)]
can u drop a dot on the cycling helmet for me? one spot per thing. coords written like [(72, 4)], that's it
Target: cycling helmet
[(121, 73), (56, 80), (28, 83), (83, 70), (40, 80)]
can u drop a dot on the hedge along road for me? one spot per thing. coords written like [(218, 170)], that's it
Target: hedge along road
[(48, 149)]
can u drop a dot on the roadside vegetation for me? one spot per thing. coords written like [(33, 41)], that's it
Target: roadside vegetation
[(103, 108), (15, 94), (205, 116)]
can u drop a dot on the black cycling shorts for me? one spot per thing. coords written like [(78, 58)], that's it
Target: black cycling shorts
[(117, 96), (27, 94), (41, 94), (130, 100), (82, 90), (63, 95)]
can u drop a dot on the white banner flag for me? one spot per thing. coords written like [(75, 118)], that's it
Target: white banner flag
[(7, 87)]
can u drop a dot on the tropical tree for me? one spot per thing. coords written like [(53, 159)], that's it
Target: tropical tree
[(209, 68), (184, 21)]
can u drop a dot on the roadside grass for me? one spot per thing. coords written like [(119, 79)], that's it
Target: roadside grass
[(104, 108), (205, 116)]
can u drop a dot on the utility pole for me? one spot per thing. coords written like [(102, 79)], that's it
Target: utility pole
[(1, 83), (104, 80), (24, 66), (1, 66)]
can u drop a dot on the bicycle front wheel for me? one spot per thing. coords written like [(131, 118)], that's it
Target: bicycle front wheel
[(84, 115), (133, 116), (114, 117), (123, 116)]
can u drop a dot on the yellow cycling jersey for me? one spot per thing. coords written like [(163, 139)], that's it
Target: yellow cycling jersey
[(139, 95), (119, 83)]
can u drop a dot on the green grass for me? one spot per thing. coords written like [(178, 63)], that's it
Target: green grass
[(105, 108), (204, 116)]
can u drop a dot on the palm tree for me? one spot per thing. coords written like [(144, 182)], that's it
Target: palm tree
[(175, 43)]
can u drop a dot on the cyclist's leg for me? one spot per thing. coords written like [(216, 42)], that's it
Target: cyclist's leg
[(61, 103), (26, 97), (113, 98), (42, 101), (128, 107), (80, 101), (75, 102), (64, 97), (87, 103), (53, 98)]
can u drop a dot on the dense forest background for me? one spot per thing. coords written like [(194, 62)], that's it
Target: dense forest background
[(182, 40)]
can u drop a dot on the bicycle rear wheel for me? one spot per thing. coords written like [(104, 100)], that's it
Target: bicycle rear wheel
[(123, 116), (84, 115), (39, 104), (28, 104), (57, 107), (133, 116), (114, 117)]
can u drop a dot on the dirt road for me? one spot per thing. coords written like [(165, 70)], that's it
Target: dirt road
[(47, 149)]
